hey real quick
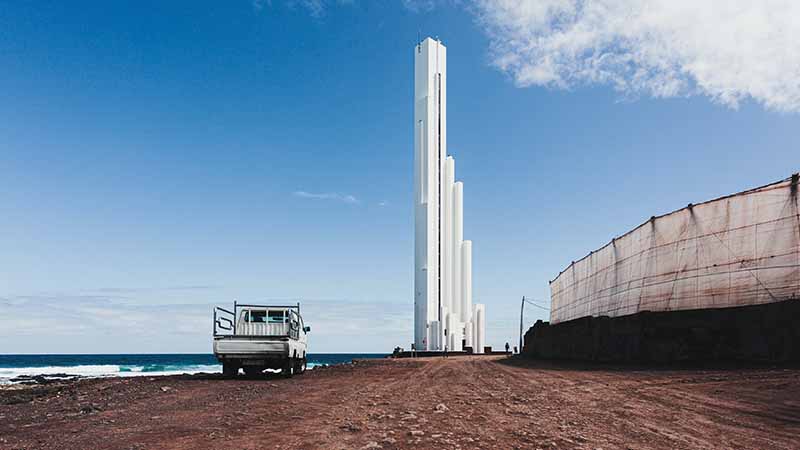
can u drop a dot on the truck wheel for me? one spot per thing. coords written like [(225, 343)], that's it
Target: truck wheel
[(288, 368), (229, 370), (301, 366)]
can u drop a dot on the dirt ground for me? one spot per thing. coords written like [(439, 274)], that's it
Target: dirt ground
[(488, 402)]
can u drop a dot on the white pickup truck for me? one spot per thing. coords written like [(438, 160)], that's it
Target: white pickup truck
[(259, 337)]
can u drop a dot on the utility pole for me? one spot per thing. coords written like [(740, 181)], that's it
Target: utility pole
[(521, 312)]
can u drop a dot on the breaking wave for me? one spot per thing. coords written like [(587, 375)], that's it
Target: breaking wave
[(106, 370), (133, 365)]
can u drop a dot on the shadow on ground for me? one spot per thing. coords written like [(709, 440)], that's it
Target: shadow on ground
[(572, 365)]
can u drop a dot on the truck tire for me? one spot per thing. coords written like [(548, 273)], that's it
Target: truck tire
[(301, 366), (253, 371), (288, 368), (229, 370)]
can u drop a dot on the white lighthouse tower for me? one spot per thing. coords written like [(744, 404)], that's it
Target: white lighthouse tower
[(444, 316)]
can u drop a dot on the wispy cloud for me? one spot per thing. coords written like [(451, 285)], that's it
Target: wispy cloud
[(315, 8), (345, 198), (382, 203), (73, 323), (728, 50), (318, 8), (419, 5), (62, 316), (258, 5), (136, 290)]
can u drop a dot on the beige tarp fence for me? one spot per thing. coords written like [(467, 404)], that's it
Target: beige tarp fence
[(742, 249)]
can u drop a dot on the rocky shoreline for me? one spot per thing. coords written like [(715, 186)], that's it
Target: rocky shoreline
[(44, 379)]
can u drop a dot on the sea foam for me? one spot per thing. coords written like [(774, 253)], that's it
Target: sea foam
[(113, 370), (106, 370)]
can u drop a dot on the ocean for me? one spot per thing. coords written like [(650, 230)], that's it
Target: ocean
[(12, 366)]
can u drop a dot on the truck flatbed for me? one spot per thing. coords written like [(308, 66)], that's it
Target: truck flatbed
[(260, 337)]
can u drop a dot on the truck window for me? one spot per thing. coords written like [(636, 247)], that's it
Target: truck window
[(257, 317), (277, 317)]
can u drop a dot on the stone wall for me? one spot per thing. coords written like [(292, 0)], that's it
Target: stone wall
[(758, 333)]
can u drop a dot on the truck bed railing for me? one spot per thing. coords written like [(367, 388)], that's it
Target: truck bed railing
[(245, 305), (225, 320)]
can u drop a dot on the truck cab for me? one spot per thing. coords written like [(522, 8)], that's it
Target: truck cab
[(260, 337)]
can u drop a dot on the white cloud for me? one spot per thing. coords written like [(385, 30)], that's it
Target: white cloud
[(728, 50), (346, 198)]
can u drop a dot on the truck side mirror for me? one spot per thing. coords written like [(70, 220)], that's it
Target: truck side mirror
[(306, 329)]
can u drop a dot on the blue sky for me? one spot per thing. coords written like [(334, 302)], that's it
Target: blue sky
[(157, 158)]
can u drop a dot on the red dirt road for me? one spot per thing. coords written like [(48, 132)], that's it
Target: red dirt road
[(425, 404)]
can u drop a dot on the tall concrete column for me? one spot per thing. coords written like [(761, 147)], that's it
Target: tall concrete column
[(448, 299), (458, 227), (466, 281)]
